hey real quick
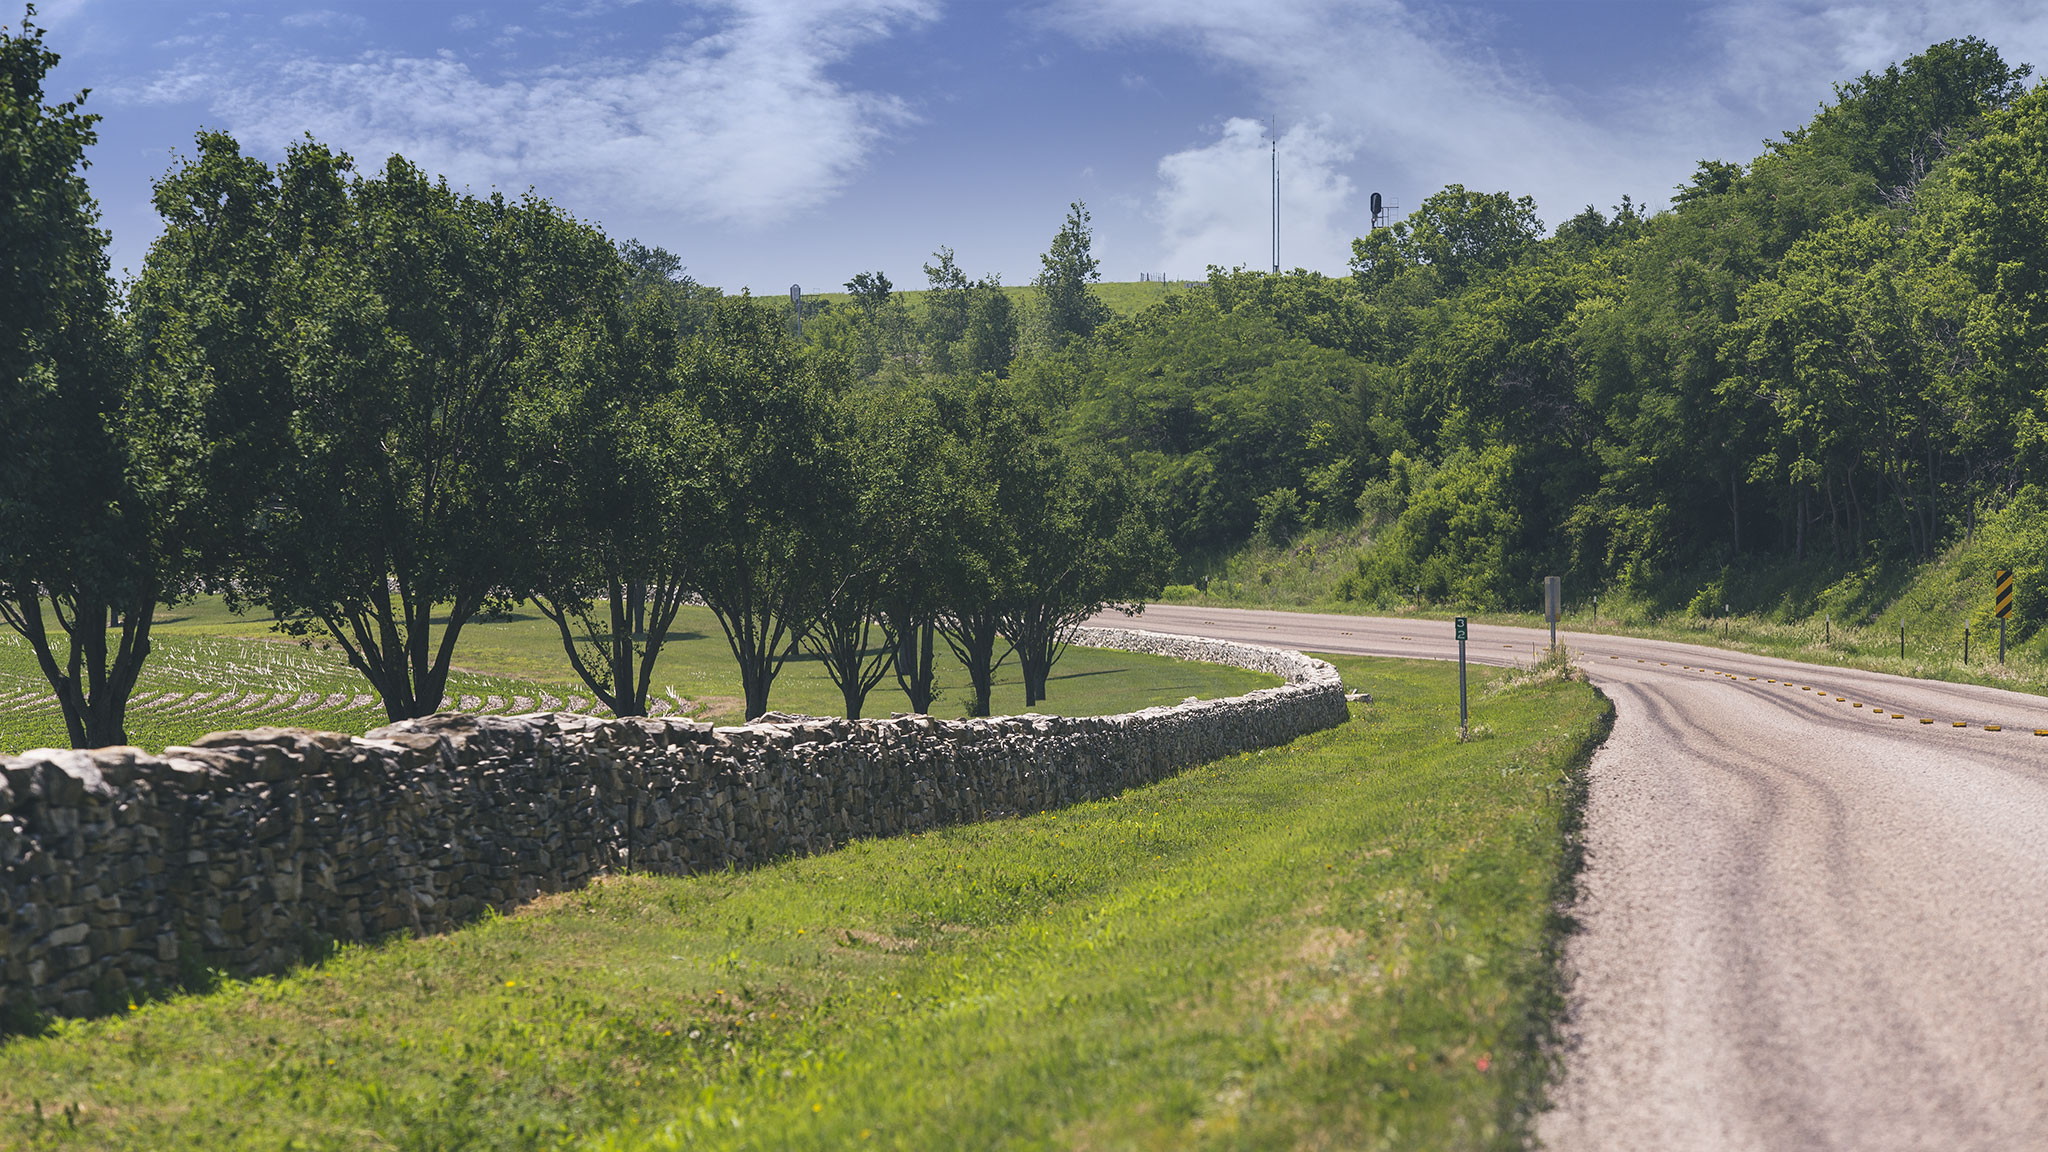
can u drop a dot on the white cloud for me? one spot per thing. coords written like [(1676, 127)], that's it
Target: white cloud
[(324, 18), (1214, 204), (1407, 97), (1410, 97), (1769, 51), (741, 125)]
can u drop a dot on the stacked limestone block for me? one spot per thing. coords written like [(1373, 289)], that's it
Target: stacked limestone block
[(121, 871)]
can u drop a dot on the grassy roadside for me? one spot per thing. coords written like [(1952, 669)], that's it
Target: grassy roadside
[(1342, 943), (1871, 648), (1808, 613), (211, 670)]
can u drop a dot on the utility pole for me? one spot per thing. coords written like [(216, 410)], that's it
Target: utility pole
[(1275, 133)]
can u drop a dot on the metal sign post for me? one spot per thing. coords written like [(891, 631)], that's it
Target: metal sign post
[(2001, 605), (1463, 715), (1553, 604)]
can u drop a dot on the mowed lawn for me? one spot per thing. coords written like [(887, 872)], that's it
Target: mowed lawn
[(1344, 943), (211, 670)]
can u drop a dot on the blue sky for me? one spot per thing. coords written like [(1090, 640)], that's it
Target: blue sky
[(768, 142)]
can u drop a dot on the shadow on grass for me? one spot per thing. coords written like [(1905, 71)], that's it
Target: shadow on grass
[(1081, 675)]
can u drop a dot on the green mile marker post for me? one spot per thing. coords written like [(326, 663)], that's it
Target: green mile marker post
[(1463, 715)]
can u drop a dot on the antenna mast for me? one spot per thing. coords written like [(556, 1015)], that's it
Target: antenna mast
[(1276, 194)]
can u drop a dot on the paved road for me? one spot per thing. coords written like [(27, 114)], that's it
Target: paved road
[(1805, 924)]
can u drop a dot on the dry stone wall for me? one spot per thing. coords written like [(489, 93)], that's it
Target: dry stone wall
[(122, 871)]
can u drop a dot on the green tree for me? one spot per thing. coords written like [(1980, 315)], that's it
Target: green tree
[(1457, 235), (1216, 409), (910, 460), (1890, 128), (1088, 541), (659, 273), (990, 342), (610, 462), (993, 469), (766, 529), (99, 516), (871, 292), (1843, 342), (358, 342), (1993, 235), (1066, 281), (947, 310), (1461, 537), (854, 632)]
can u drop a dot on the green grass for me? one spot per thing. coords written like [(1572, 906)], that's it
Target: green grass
[(1817, 612), (1303, 573), (1125, 298), (1347, 942), (251, 676)]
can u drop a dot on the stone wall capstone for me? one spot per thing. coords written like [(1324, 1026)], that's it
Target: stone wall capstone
[(123, 872)]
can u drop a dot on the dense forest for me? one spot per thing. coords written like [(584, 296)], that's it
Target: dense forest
[(1828, 357)]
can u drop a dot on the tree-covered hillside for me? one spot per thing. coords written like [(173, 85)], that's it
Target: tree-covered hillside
[(1828, 358)]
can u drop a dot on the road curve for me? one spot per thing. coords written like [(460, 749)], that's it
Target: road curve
[(1803, 924)]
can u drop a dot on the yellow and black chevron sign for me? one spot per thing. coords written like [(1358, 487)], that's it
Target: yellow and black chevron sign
[(2001, 593)]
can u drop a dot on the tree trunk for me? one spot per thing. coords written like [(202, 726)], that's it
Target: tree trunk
[(1855, 514), (1834, 529), (843, 640), (972, 637), (398, 653), (623, 675), (914, 671), (91, 684), (1735, 509), (1033, 671), (1034, 632), (1799, 529)]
